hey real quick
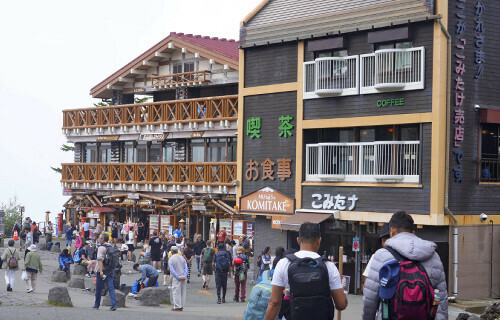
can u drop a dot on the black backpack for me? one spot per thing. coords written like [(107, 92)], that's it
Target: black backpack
[(222, 261), (111, 259), (309, 289)]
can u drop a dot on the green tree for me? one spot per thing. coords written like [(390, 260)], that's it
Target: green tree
[(64, 148), (12, 214)]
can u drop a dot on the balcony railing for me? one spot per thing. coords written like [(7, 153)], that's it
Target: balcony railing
[(392, 69), (196, 174), (390, 161), (181, 79), (490, 170), (332, 76), (154, 113)]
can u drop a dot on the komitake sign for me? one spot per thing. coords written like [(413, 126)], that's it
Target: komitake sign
[(267, 200)]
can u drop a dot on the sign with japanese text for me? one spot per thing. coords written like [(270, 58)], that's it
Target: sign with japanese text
[(254, 126), (284, 169), (153, 137), (267, 200), (198, 205), (334, 202), (276, 222), (107, 138)]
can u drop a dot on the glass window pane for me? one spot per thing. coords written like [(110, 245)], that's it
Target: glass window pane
[(168, 153), (323, 54), (367, 134), (128, 152), (346, 135), (141, 151), (340, 53), (384, 133), (409, 133), (155, 152), (403, 45), (90, 152), (197, 153), (105, 152)]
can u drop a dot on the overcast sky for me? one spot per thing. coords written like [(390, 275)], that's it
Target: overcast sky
[(53, 52)]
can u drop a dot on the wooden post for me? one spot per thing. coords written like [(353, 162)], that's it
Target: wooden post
[(197, 223), (341, 269)]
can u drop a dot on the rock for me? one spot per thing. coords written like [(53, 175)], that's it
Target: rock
[(120, 299), (126, 289), (148, 297), (492, 311), (473, 317), (56, 247), (42, 246), (79, 270), (77, 282), (463, 316), (59, 276), (134, 258), (60, 295), (163, 294)]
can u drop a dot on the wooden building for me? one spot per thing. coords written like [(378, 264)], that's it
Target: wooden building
[(352, 110), (170, 158)]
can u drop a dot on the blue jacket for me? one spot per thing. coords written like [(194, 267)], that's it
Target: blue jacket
[(65, 259), (148, 271), (69, 233)]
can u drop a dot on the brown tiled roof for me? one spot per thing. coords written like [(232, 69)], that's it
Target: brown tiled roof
[(228, 48)]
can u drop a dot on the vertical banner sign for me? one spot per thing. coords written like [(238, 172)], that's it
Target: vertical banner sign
[(479, 53), (459, 114), (355, 244)]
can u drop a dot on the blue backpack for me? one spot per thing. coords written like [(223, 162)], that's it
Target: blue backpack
[(259, 299), (76, 256)]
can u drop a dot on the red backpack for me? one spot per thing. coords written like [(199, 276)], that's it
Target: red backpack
[(408, 283)]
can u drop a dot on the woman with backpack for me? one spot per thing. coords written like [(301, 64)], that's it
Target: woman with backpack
[(265, 260), (10, 258), (241, 266)]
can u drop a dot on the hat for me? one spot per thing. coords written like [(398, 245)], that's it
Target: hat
[(174, 249), (385, 231), (389, 278), (32, 248), (221, 245), (240, 250), (176, 235), (75, 232)]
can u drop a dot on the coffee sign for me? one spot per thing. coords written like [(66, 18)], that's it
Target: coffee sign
[(267, 200)]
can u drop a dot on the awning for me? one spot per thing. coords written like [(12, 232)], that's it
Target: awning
[(295, 221), (103, 209)]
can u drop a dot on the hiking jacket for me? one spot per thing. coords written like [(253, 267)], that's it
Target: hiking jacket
[(413, 248), (33, 261)]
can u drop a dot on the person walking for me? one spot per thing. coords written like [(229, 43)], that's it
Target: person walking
[(155, 243), (148, 272), (105, 270), (86, 229), (29, 240), (114, 230), (403, 245), (221, 236), (69, 234), (279, 254), (207, 256), (130, 237), (10, 258), (188, 255), (198, 245), (222, 265), (32, 266), (179, 271), (265, 260), (98, 229), (49, 230), (324, 285), (241, 266)]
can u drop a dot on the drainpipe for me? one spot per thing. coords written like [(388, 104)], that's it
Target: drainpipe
[(447, 166)]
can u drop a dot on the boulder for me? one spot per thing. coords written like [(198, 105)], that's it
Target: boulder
[(42, 246), (492, 311), (134, 258), (148, 297), (126, 289), (77, 282), (59, 276), (163, 294), (56, 247), (79, 270), (60, 295), (120, 299)]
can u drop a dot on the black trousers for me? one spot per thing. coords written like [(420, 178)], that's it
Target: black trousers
[(152, 281), (221, 282)]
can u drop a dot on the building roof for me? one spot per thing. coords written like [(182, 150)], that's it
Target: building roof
[(223, 51), (275, 21)]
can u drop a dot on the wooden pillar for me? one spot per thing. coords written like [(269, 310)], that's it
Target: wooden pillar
[(175, 221), (197, 223)]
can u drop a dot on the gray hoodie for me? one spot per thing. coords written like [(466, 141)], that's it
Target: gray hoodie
[(413, 248)]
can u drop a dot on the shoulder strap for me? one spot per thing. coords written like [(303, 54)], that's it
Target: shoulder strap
[(291, 257), (396, 254)]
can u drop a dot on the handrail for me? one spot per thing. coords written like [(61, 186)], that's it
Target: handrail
[(153, 113), (157, 173), (180, 78)]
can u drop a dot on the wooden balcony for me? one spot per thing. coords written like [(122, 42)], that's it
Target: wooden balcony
[(195, 174), (154, 113), (180, 79)]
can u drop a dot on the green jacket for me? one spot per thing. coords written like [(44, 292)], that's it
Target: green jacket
[(9, 252), (33, 261)]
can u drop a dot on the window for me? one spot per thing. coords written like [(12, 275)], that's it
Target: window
[(177, 68), (490, 152), (128, 152), (197, 150), (169, 152), (141, 152), (231, 149), (105, 152), (330, 53), (90, 152), (402, 60), (155, 149), (216, 149), (189, 67)]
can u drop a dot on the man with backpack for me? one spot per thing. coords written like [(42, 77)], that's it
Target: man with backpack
[(10, 258), (207, 257), (107, 260), (392, 292), (311, 281), (222, 265), (241, 266)]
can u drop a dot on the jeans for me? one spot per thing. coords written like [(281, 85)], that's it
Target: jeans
[(111, 288), (198, 263), (68, 242), (221, 282)]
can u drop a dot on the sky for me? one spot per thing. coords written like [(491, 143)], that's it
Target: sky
[(54, 51)]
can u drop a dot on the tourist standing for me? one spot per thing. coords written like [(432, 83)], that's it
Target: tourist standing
[(197, 247), (32, 265), (86, 229), (265, 260), (188, 255), (98, 229), (49, 230), (222, 266), (155, 243), (10, 258), (140, 232), (105, 272), (207, 256), (69, 234), (241, 266), (114, 230), (130, 243), (179, 270), (221, 236)]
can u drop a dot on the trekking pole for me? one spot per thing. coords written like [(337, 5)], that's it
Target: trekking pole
[(341, 267)]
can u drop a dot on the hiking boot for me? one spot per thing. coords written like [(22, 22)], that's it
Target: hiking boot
[(9, 288), (188, 281), (112, 308), (204, 284), (242, 300), (199, 274), (218, 300), (236, 300), (223, 299)]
